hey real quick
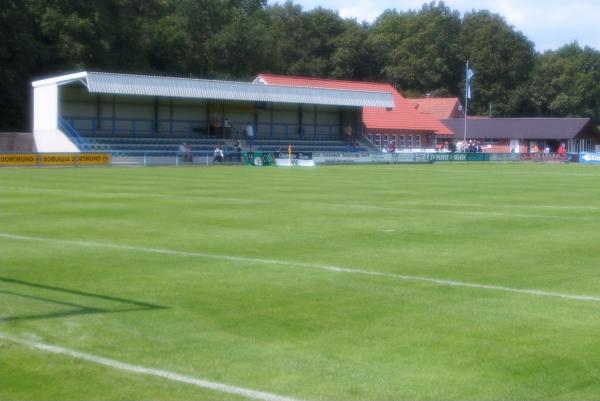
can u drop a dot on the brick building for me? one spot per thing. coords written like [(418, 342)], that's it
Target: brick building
[(408, 128)]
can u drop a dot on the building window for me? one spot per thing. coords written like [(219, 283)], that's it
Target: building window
[(409, 143), (417, 141), (401, 144), (378, 140), (385, 141)]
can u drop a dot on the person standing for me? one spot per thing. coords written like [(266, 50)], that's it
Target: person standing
[(250, 134), (218, 154), (185, 151), (237, 148), (188, 153), (348, 134)]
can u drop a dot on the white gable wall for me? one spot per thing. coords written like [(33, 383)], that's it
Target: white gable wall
[(45, 107), (47, 136)]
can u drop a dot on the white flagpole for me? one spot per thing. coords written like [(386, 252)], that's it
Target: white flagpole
[(466, 102)]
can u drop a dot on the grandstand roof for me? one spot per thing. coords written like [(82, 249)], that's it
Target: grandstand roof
[(145, 85), (522, 128), (448, 107), (402, 116)]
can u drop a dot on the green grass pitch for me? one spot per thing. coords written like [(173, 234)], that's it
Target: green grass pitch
[(388, 282)]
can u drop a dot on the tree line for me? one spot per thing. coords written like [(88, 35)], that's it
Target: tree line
[(419, 51)]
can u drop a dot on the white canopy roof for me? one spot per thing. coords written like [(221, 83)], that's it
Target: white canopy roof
[(144, 85)]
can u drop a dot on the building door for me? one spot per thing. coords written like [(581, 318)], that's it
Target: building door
[(514, 146), (378, 141)]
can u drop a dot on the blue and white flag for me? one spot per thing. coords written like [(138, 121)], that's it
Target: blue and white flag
[(470, 75)]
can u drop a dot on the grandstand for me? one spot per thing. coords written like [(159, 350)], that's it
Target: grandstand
[(129, 114)]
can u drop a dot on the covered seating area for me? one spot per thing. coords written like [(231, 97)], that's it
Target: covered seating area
[(111, 112)]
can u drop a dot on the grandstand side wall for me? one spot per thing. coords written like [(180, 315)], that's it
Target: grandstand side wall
[(45, 108), (47, 136)]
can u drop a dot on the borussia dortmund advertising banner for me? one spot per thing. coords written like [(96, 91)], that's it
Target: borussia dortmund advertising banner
[(54, 159), (74, 158), (18, 159)]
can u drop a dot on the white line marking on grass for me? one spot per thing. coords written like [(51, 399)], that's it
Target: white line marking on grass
[(165, 374), (330, 268)]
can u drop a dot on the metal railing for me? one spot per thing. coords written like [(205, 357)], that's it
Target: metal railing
[(157, 158), (81, 142)]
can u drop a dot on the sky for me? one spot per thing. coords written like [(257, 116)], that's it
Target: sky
[(549, 24)]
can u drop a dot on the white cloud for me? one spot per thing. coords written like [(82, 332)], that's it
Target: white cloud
[(365, 10), (514, 14)]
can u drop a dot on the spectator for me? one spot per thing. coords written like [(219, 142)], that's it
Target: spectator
[(348, 133), (218, 154), (237, 149), (562, 149), (188, 152), (249, 134), (185, 151)]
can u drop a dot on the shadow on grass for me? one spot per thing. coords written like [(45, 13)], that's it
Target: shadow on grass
[(78, 309)]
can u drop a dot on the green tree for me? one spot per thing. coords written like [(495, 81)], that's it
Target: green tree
[(97, 34), (419, 50), (21, 57), (242, 47), (202, 20), (385, 35), (306, 41), (503, 60), (565, 82), (288, 26), (352, 57)]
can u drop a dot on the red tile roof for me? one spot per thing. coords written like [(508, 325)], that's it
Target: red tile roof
[(402, 117), (442, 108)]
